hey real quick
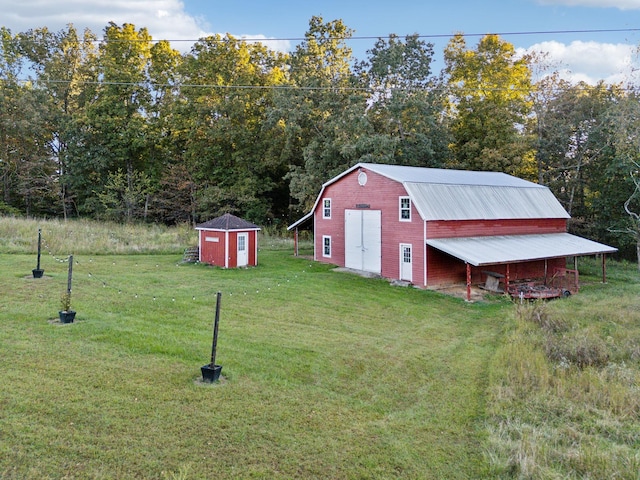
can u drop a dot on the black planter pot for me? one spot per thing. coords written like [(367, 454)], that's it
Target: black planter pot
[(67, 317), (37, 272), (211, 373)]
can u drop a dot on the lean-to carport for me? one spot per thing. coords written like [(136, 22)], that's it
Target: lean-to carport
[(508, 249)]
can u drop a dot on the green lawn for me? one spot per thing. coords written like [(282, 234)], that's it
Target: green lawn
[(325, 374)]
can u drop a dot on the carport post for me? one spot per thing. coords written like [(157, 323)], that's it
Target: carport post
[(604, 268), (295, 242), (506, 279), (468, 282)]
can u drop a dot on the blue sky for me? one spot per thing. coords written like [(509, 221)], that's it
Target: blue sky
[(583, 56)]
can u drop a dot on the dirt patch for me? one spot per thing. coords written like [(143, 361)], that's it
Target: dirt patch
[(199, 381), (455, 290), (460, 291)]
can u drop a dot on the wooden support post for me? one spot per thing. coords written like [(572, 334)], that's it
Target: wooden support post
[(604, 268), (506, 279), (468, 282), (295, 242)]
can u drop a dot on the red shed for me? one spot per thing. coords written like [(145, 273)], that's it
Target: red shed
[(432, 226), (228, 241)]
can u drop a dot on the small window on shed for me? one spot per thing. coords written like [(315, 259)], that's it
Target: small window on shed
[(326, 246), (405, 209), (326, 208)]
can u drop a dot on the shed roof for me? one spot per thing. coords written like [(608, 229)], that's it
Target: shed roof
[(493, 250), (227, 222)]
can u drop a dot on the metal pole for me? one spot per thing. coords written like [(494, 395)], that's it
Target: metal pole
[(215, 331), (39, 246), (70, 274)]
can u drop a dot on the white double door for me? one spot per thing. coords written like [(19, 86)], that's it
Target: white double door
[(363, 240)]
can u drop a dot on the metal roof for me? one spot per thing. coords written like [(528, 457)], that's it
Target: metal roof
[(493, 250), (402, 174), (443, 194), (483, 202)]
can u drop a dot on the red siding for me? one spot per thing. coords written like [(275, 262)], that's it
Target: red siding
[(213, 252), (232, 259), (253, 249), (252, 239), (379, 193), (475, 228), (442, 268)]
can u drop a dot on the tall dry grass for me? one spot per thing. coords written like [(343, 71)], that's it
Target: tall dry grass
[(61, 238), (565, 389)]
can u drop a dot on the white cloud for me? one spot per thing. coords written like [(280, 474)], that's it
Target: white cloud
[(590, 61), (164, 19), (619, 4), (273, 44)]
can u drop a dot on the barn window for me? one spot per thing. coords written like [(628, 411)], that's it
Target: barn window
[(326, 246), (326, 208), (405, 209)]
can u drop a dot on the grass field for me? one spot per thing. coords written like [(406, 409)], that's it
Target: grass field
[(325, 374)]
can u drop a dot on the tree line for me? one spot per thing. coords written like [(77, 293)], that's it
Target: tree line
[(127, 128)]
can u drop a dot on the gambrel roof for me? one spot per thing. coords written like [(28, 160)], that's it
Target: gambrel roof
[(444, 194)]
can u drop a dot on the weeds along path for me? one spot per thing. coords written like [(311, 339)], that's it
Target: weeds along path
[(325, 374)]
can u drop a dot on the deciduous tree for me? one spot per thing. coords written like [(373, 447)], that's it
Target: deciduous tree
[(114, 130), (313, 111), (489, 88), (405, 109), (227, 142), (64, 66)]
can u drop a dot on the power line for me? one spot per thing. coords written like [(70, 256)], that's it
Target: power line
[(197, 85), (373, 37), (372, 88)]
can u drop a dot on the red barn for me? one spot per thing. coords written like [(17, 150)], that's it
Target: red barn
[(432, 226), (228, 241)]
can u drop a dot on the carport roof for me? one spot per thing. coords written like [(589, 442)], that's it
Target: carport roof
[(493, 250)]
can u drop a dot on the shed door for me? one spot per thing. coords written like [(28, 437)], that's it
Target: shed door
[(406, 262), (243, 245), (363, 240)]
